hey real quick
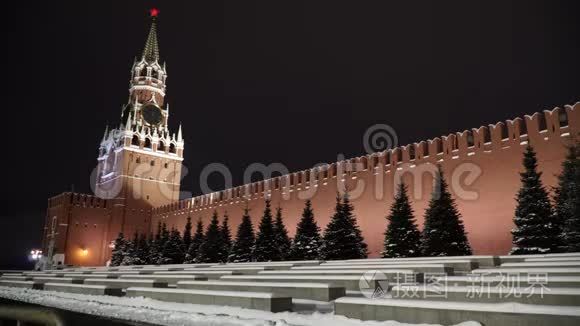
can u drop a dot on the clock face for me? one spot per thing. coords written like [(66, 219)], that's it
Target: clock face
[(152, 114)]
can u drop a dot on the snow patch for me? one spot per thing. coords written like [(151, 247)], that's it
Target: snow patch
[(174, 314)]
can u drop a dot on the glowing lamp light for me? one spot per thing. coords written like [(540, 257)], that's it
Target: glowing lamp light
[(154, 12), (84, 251), (35, 254)]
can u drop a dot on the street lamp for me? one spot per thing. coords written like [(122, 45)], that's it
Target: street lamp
[(35, 254)]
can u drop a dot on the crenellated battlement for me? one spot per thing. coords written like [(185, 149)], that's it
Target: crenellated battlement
[(471, 143), (78, 199)]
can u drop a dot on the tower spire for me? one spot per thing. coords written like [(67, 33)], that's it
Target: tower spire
[(151, 51)]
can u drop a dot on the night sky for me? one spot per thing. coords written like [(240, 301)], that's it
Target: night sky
[(294, 82)]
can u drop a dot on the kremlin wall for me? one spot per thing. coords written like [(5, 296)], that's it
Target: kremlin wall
[(490, 155)]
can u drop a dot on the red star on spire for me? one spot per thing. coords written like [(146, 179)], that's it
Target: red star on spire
[(154, 12)]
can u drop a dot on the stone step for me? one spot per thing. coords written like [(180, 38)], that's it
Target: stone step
[(86, 276), (350, 283), (452, 313), (126, 283), (457, 265), (83, 289), (483, 261), (391, 274), (22, 284), (528, 295), (423, 268), (16, 278), (504, 281), (169, 279), (547, 271), (521, 258), (209, 274), (269, 266), (302, 290), (239, 269), (526, 264), (57, 280), (250, 300)]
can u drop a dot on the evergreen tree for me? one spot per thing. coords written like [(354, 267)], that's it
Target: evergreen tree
[(173, 248), (342, 237), (186, 236), (210, 249), (142, 250), (196, 241), (443, 232), (154, 249), (265, 248), (130, 257), (402, 238), (226, 240), (283, 242), (163, 238), (243, 247), (567, 200), (534, 232), (119, 251), (307, 239)]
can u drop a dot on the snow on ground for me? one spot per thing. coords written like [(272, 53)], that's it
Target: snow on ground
[(169, 313)]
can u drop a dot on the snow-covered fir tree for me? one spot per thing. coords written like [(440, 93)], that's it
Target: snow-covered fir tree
[(186, 236), (243, 246), (163, 238), (443, 232), (142, 250), (342, 237), (265, 248), (119, 251), (402, 237), (283, 241), (196, 241), (534, 232), (567, 200), (173, 248), (130, 257), (307, 239), (211, 248), (154, 249), (226, 239)]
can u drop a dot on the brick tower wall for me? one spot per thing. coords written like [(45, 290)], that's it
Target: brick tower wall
[(84, 222)]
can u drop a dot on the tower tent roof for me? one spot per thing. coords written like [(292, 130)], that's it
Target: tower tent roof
[(151, 51)]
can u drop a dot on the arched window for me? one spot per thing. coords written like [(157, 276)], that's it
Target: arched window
[(147, 143), (152, 162), (155, 74), (161, 146), (172, 148), (135, 140), (411, 152), (143, 72)]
